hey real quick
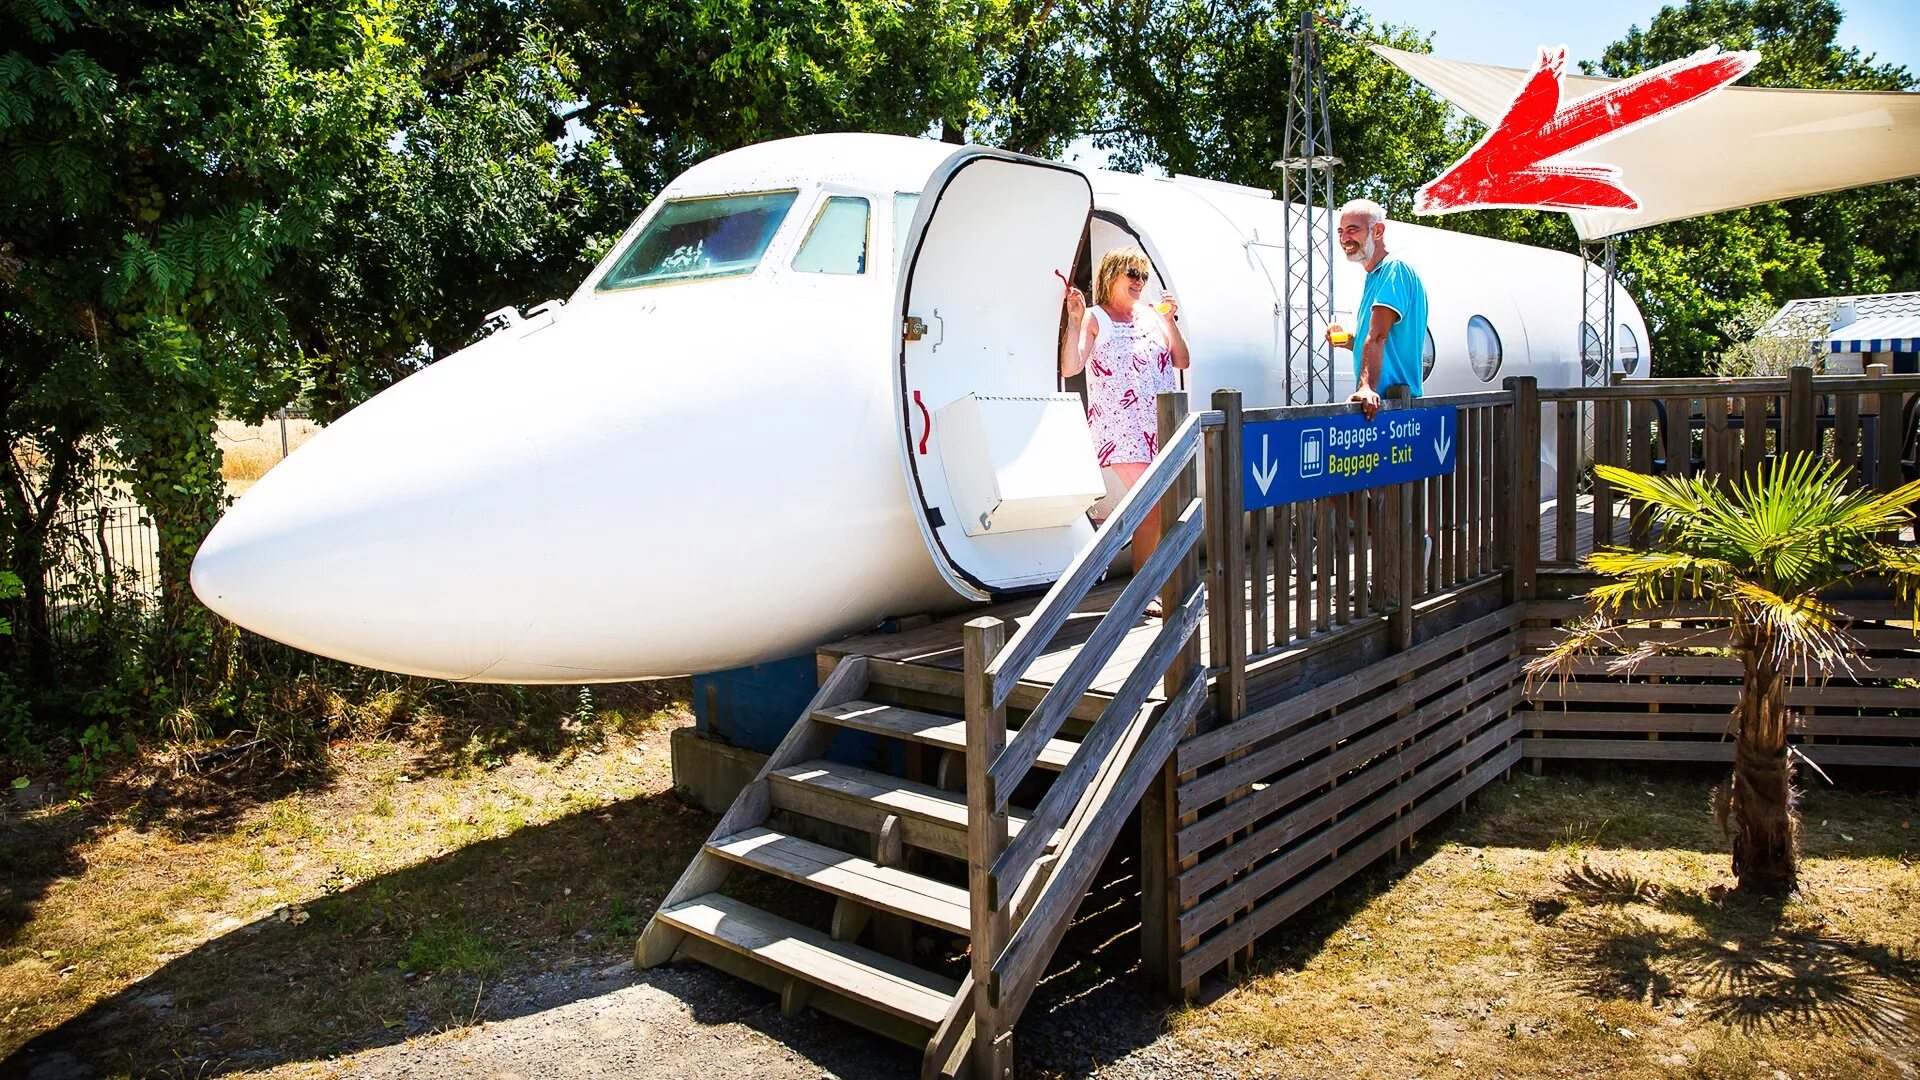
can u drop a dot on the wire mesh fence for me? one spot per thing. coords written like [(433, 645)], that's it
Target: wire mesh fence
[(104, 558), (103, 553)]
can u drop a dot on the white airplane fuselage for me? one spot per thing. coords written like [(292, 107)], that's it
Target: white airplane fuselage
[(710, 468)]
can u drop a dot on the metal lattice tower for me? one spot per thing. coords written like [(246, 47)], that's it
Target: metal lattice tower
[(1306, 194), (1598, 274)]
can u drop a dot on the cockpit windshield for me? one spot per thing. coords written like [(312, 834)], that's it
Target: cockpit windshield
[(694, 239)]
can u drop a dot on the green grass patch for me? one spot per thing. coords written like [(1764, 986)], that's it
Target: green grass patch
[(452, 949)]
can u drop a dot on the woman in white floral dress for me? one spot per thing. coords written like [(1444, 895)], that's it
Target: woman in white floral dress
[(1131, 352)]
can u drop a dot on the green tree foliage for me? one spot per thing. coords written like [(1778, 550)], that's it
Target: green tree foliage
[(1040, 85), (661, 85), (1694, 277), (1200, 88), (208, 208), (184, 196)]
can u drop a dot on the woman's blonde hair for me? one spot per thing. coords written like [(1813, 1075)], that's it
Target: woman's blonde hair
[(1115, 263)]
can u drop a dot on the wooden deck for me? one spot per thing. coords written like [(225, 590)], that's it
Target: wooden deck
[(1582, 528), (937, 644), (1381, 683)]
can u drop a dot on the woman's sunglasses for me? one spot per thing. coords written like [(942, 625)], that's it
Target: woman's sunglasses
[(1135, 274)]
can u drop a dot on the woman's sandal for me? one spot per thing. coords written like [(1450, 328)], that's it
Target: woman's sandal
[(1153, 610)]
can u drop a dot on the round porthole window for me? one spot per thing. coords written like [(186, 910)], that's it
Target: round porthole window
[(1593, 355), (1483, 348), (1427, 353), (1627, 349)]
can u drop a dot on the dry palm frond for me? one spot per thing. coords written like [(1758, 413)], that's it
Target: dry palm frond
[(1598, 632)]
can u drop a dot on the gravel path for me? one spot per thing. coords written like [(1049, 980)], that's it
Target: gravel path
[(688, 1021), (669, 1023)]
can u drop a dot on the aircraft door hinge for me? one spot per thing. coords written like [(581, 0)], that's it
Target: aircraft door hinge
[(913, 328)]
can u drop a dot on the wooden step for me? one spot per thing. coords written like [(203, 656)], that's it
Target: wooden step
[(885, 888), (860, 974), (946, 732), (861, 799)]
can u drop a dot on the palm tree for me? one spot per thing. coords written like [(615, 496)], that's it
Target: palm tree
[(1760, 553)]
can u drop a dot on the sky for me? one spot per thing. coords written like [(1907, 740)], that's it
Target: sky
[(1510, 32)]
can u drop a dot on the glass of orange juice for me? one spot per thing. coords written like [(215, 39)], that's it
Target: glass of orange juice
[(1163, 307)]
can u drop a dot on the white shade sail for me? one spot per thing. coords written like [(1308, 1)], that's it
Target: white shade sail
[(1739, 147)]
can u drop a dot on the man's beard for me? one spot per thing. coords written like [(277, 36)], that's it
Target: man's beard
[(1364, 254)]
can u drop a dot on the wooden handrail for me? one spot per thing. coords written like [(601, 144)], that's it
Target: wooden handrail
[(1649, 389), (1017, 970), (1024, 748), (1009, 884), (986, 726), (1020, 853), (1343, 408), (1010, 666)]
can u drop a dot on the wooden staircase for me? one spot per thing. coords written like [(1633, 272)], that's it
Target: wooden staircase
[(904, 860)]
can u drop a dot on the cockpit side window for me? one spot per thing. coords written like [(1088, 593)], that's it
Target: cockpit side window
[(695, 239), (837, 243)]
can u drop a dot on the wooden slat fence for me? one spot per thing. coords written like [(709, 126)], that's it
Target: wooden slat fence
[(1720, 429), (1403, 695), (1302, 569), (1272, 808), (1676, 706), (1281, 805)]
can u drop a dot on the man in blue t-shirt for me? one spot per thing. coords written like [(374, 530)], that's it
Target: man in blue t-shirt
[(1390, 330)]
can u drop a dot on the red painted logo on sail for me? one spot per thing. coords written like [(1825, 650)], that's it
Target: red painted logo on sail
[(1515, 166)]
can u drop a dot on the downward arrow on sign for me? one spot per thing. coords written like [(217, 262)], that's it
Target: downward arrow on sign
[(1268, 468), (1512, 167), (1442, 446)]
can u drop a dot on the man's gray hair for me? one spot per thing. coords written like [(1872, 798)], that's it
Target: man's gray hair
[(1372, 211)]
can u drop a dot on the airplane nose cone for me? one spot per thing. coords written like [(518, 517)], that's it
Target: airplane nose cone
[(624, 494), (376, 542)]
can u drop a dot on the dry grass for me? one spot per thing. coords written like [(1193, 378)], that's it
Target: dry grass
[(1562, 927), (378, 904), (248, 452), (1573, 927)]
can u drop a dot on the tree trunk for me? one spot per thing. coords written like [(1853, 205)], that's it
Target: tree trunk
[(1759, 803), (31, 505)]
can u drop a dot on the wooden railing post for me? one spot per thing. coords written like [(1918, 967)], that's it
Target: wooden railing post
[(1160, 945), (1227, 575), (1227, 560), (1803, 434), (1172, 409), (1523, 500), (1502, 421), (1566, 493), (1401, 549), (1609, 443), (981, 641), (1886, 472)]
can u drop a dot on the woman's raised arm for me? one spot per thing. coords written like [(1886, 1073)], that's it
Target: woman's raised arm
[(1077, 337)]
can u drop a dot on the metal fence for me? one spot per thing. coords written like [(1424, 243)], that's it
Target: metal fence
[(103, 551), (104, 557)]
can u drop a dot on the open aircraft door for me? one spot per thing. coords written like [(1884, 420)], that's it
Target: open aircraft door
[(1001, 463)]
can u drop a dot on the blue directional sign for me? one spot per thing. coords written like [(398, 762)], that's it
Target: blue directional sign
[(1295, 460)]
